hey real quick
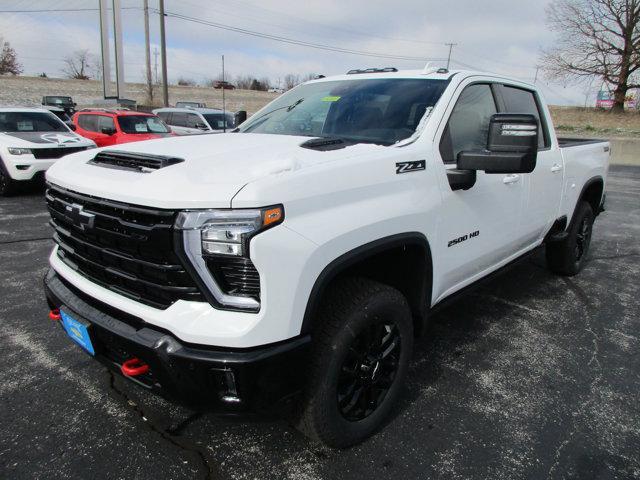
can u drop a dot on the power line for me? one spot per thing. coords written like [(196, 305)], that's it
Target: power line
[(293, 41), (49, 10), (298, 20)]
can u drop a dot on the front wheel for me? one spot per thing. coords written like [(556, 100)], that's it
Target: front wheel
[(568, 256), (361, 353), (7, 184)]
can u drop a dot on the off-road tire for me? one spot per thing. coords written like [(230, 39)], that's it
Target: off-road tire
[(568, 256), (352, 308)]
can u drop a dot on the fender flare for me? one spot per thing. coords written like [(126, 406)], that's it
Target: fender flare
[(585, 187), (357, 255)]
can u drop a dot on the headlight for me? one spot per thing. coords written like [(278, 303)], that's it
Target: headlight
[(19, 151), (227, 232), (214, 247)]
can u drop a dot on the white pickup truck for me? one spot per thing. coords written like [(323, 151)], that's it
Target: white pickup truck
[(296, 258)]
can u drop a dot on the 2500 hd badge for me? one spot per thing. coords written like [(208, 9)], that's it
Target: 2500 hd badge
[(463, 238)]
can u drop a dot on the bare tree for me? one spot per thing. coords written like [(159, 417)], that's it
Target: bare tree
[(596, 38), (291, 80), (9, 60), (78, 65), (243, 82), (186, 82), (266, 83)]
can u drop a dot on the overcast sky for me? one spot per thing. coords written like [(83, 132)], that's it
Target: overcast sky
[(504, 36)]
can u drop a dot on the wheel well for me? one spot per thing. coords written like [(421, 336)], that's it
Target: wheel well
[(592, 194), (401, 261)]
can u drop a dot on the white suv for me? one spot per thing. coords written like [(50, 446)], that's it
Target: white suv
[(192, 121), (31, 140)]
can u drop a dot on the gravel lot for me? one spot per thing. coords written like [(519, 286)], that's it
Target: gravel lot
[(28, 91), (532, 376)]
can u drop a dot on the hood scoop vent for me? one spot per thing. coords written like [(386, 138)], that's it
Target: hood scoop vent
[(324, 143), (136, 162)]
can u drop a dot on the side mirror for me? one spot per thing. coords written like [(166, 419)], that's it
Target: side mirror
[(512, 146), (241, 116), (108, 131), (201, 126)]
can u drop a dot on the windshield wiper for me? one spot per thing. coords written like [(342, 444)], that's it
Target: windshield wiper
[(288, 107)]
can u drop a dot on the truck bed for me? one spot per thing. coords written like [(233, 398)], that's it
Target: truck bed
[(566, 142)]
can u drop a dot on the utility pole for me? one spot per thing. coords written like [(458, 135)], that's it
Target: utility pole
[(163, 55), (224, 109), (147, 52), (535, 79), (155, 59), (450, 45)]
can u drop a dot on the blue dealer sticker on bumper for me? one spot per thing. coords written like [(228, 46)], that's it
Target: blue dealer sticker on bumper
[(77, 331)]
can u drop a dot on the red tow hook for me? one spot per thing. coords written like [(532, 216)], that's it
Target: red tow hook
[(134, 367), (54, 314)]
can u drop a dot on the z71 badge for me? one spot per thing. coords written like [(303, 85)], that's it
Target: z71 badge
[(408, 167)]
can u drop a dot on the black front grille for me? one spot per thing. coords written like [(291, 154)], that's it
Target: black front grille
[(124, 248), (55, 152), (235, 275)]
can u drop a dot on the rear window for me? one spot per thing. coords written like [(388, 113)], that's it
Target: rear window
[(217, 120), (88, 122), (179, 119), (518, 100), (164, 116), (139, 124), (30, 122)]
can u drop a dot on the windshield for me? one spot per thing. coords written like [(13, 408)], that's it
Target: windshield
[(216, 120), (142, 124), (30, 122), (382, 111)]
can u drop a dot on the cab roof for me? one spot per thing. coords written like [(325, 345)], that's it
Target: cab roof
[(430, 73)]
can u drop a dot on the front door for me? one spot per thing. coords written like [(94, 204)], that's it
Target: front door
[(478, 227)]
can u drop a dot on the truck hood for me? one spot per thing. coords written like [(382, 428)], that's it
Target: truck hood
[(215, 168)]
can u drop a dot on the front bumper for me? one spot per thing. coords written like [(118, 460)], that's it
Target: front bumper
[(26, 167), (224, 380)]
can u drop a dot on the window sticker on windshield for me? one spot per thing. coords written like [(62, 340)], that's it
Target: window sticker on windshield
[(330, 99), (141, 127), (25, 126)]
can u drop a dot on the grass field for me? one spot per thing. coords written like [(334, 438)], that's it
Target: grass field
[(595, 123)]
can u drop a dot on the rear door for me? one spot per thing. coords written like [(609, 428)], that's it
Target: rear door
[(87, 126), (544, 184), (179, 123), (478, 227), (194, 122)]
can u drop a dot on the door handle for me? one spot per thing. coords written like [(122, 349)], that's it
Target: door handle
[(556, 168), (511, 179)]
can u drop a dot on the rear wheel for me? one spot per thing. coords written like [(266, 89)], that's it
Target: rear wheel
[(360, 359), (568, 256)]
